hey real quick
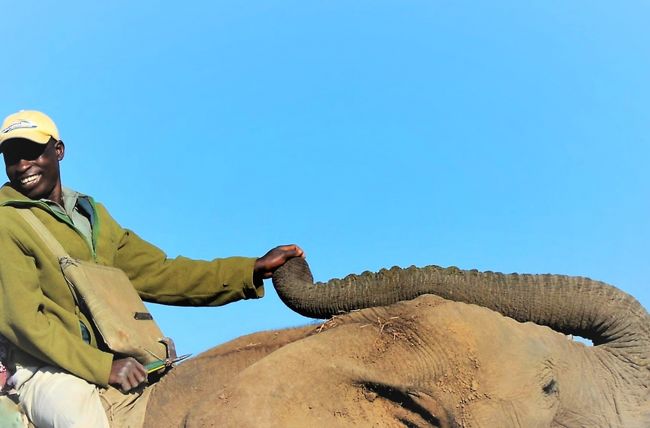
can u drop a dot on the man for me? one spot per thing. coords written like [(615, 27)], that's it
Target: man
[(53, 355)]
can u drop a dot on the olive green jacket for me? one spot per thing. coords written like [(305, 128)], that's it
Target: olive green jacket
[(38, 313)]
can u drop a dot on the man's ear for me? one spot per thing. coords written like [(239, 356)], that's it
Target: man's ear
[(59, 147)]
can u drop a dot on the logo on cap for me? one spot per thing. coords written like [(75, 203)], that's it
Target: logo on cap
[(19, 125)]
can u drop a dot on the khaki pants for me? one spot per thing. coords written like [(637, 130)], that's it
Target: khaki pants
[(54, 398)]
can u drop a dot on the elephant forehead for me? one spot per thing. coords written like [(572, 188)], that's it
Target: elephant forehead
[(477, 325), (466, 341), (469, 330), (364, 366)]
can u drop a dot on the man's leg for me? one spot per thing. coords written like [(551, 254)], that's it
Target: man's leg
[(126, 410), (54, 398)]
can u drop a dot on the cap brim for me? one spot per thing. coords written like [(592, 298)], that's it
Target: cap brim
[(25, 133)]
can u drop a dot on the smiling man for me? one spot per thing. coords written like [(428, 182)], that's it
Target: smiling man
[(63, 374)]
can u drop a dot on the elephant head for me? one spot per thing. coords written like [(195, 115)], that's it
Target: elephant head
[(525, 373), (434, 360)]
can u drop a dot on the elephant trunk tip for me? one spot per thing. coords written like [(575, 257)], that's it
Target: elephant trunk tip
[(294, 284), (295, 272)]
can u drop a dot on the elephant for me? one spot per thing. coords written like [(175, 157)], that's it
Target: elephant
[(425, 347)]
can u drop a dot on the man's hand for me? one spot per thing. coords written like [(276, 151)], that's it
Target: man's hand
[(127, 373), (269, 262)]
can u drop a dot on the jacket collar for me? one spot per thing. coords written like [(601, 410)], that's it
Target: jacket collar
[(12, 197)]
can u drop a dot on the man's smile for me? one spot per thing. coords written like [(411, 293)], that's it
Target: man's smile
[(30, 179)]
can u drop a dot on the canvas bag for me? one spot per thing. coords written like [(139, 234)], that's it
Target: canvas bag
[(115, 307)]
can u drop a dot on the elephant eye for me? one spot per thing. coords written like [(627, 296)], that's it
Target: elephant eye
[(550, 388)]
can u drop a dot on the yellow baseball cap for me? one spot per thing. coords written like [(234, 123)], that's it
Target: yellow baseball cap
[(29, 124)]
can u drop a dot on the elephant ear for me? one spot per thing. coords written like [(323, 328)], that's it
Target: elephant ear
[(571, 305)]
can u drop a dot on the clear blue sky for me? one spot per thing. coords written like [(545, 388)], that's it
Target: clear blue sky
[(505, 135)]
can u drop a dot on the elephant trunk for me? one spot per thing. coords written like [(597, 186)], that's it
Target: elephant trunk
[(571, 305)]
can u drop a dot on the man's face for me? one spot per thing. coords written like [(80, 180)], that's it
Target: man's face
[(33, 169)]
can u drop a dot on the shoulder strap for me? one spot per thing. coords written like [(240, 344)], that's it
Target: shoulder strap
[(52, 243)]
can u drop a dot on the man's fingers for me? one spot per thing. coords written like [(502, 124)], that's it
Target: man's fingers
[(274, 258), (140, 378), (132, 380), (138, 374), (295, 250), (125, 385), (127, 373), (289, 251)]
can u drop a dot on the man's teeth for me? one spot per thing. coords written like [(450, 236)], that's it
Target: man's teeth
[(30, 179)]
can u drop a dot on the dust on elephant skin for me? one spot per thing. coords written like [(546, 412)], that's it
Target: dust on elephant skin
[(426, 362)]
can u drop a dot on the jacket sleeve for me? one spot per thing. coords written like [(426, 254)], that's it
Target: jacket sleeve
[(38, 326), (181, 281)]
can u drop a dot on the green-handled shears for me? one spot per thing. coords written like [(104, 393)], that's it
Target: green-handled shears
[(167, 362)]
